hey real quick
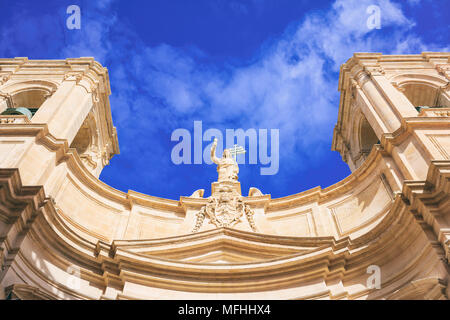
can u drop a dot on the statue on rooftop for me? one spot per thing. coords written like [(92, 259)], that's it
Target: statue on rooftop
[(227, 167)]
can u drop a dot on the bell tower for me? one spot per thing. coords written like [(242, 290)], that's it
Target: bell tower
[(66, 98), (397, 109), (55, 124), (385, 96)]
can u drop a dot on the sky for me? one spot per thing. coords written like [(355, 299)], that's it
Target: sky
[(255, 64)]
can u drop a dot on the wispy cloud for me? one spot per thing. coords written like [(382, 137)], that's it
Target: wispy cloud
[(286, 82)]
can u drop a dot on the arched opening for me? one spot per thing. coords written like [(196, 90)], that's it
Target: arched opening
[(86, 143), (367, 138), (26, 102), (82, 140), (424, 96), (361, 139)]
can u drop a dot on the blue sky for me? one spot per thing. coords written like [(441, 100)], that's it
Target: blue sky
[(262, 64)]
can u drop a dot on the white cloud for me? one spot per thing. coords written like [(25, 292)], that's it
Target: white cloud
[(287, 88)]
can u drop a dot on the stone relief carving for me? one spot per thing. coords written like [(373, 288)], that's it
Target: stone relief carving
[(105, 154), (224, 209), (8, 98), (378, 71), (5, 119), (73, 76), (4, 78), (87, 142), (398, 87), (444, 69), (445, 113), (95, 93)]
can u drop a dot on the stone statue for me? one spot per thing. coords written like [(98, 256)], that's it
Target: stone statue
[(225, 207), (227, 167)]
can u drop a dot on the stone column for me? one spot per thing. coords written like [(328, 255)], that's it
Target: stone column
[(368, 85), (399, 103), (66, 110), (64, 113)]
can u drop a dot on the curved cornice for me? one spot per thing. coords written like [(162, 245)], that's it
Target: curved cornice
[(74, 163), (327, 258)]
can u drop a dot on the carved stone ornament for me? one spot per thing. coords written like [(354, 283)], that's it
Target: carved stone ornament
[(4, 78), (398, 87), (95, 94), (444, 69), (361, 78), (254, 192), (224, 209), (73, 76), (444, 113), (197, 193), (378, 71)]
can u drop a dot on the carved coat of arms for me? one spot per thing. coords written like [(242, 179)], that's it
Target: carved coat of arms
[(224, 209)]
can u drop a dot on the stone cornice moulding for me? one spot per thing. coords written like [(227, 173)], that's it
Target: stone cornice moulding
[(23, 290), (320, 195), (124, 256), (344, 242), (410, 77), (390, 140)]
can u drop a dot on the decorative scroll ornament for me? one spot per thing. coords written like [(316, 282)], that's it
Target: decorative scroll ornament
[(95, 91), (4, 78), (444, 69), (398, 87), (378, 71), (224, 209), (105, 155), (354, 86), (197, 193), (254, 192), (73, 76)]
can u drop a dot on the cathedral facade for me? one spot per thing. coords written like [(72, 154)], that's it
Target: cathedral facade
[(381, 233)]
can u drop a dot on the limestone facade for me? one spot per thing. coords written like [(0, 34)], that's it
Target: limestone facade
[(64, 234)]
